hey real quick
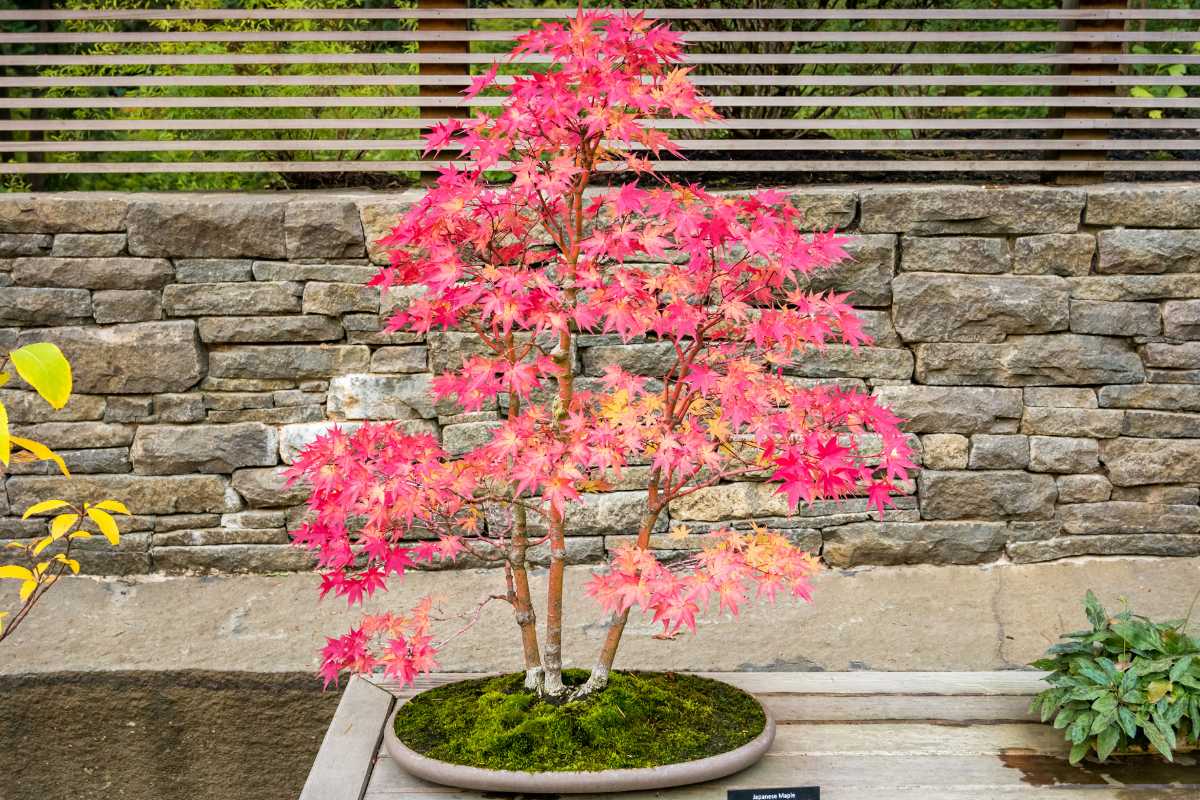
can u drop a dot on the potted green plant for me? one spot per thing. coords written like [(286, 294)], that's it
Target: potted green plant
[(1127, 685), (586, 238)]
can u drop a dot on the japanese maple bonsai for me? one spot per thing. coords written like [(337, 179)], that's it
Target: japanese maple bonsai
[(585, 237)]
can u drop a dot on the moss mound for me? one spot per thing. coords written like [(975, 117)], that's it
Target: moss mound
[(641, 719)]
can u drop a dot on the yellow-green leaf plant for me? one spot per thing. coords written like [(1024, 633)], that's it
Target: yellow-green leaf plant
[(34, 571)]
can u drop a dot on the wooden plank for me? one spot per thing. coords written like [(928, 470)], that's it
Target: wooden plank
[(562, 13), (455, 101), (730, 145), (726, 81), (348, 751), (741, 59), (795, 37)]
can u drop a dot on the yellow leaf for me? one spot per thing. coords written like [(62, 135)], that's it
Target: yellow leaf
[(679, 533), (45, 505), (42, 545), (42, 453), (106, 524), (112, 505), (71, 563), (1157, 690), (27, 589), (61, 524), (80, 535), (4, 376), (44, 367), (14, 572), (5, 445)]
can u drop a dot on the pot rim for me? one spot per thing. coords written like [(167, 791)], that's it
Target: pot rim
[(568, 782)]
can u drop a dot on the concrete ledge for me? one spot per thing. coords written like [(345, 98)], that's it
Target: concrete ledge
[(886, 618)]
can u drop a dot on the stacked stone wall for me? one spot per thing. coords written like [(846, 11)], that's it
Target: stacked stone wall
[(1043, 343)]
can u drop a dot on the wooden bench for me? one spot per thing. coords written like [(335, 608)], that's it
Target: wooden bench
[(857, 735)]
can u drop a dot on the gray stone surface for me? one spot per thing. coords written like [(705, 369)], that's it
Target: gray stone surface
[(230, 558), (867, 275), (999, 451), (94, 273), (400, 359), (305, 271), (1060, 397), (26, 306), (84, 212), (1142, 544), (86, 245), (1171, 356), (1065, 254), (28, 406), (970, 210), (133, 305), (323, 229), (992, 495), (231, 299), (61, 435), (1164, 424), (129, 359), (914, 543), (287, 361), (228, 226), (1146, 205), (1123, 518), (335, 299), (464, 437), (1083, 488), (953, 409), (1153, 396), (1181, 319), (1135, 462), (1115, 319), (944, 451), (1063, 454), (213, 270), (177, 494), (1148, 251), (970, 254), (1135, 288), (13, 245), (366, 396), (254, 330), (187, 449), (933, 307), (1061, 359), (1098, 423), (266, 487)]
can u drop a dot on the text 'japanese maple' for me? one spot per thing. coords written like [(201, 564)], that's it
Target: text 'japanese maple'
[(587, 238)]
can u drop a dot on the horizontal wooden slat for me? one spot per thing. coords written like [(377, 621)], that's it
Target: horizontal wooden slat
[(797, 37), (731, 81), (848, 165), (563, 13), (740, 59), (843, 145), (417, 123), (454, 101)]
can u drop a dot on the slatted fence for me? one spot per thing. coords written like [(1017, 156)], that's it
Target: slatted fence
[(1087, 87)]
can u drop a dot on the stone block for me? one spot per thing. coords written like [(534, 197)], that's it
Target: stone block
[(1135, 288), (25, 306), (843, 361), (294, 397), (213, 270), (999, 451), (62, 213), (1160, 494), (177, 494), (119, 305), (141, 358), (740, 500), (206, 537), (101, 460), (462, 438), (1171, 356), (1063, 454), (231, 299), (327, 273), (1060, 397), (287, 361), (891, 543), (186, 449), (130, 409), (991, 495), (1148, 251), (64, 435), (235, 558), (335, 299), (1096, 423), (1064, 254), (179, 407), (604, 513), (824, 207), (1058, 359), (400, 359), (25, 407), (1118, 517), (970, 254), (86, 245), (1173, 376), (207, 227), (1145, 544), (944, 451), (268, 416), (1158, 397), (323, 229), (878, 325), (266, 487), (379, 217), (1115, 319), (14, 245), (1181, 319), (652, 358), (938, 210), (1083, 488), (366, 396), (866, 274), (1161, 424), (953, 409), (1136, 462), (1144, 204), (935, 307), (254, 330)]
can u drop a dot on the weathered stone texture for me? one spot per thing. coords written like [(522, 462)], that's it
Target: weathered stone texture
[(999, 451), (1097, 423), (213, 270), (1123, 517), (1148, 251), (186, 449), (1115, 319), (1164, 424), (1064, 254), (1181, 319), (207, 228), (93, 273), (932, 307), (254, 330), (1083, 488), (1135, 462), (1061, 359), (85, 245), (133, 305), (953, 409), (129, 359), (914, 543), (970, 210), (1135, 288), (22, 306), (323, 229), (970, 254), (1063, 454), (179, 494), (1145, 205), (1153, 396), (995, 495), (365, 396), (944, 451), (266, 487), (866, 275), (85, 212), (232, 299), (13, 245), (287, 361)]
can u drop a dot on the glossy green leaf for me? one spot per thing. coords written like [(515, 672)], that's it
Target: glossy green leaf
[(43, 366), (1106, 742)]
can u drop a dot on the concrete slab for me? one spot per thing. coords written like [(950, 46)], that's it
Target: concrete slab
[(887, 618)]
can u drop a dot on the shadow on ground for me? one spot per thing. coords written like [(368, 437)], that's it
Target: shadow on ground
[(160, 735)]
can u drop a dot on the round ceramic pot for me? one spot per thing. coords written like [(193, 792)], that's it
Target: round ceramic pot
[(611, 780)]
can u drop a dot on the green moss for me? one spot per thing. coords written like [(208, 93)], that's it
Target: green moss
[(641, 719)]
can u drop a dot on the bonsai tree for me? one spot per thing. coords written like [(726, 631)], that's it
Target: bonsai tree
[(587, 238)]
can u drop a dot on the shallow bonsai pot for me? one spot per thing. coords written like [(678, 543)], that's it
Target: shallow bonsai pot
[(568, 782)]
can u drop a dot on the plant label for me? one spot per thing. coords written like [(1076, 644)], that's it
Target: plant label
[(789, 793)]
